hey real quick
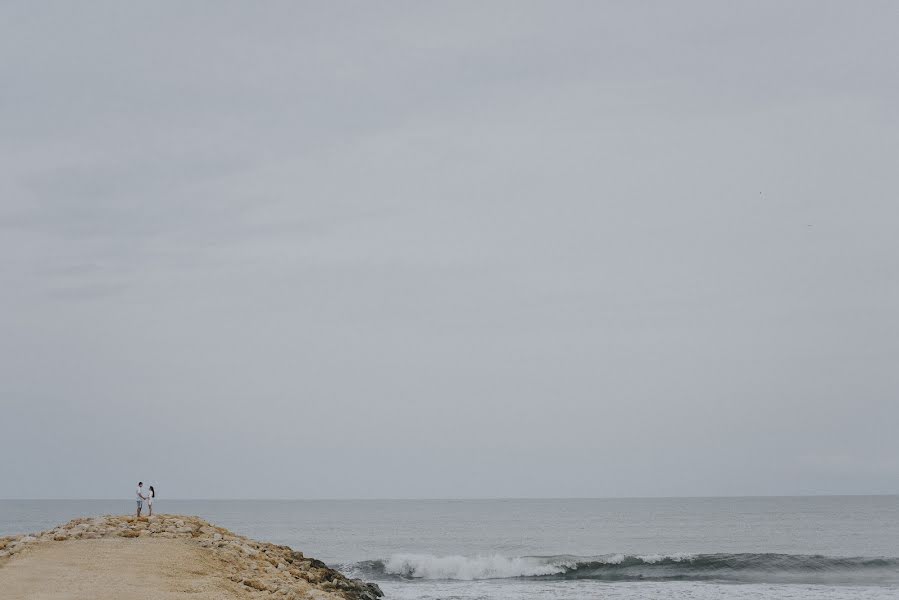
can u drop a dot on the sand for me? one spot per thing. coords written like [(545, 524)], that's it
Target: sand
[(117, 569), (163, 557)]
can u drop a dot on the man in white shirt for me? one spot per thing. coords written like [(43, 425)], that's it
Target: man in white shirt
[(140, 497)]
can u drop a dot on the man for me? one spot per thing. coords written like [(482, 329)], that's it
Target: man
[(140, 497)]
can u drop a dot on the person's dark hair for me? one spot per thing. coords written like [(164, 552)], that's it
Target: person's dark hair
[(140, 483), (152, 491)]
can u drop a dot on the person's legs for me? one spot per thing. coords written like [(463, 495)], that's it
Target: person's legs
[(150, 508), (138, 509)]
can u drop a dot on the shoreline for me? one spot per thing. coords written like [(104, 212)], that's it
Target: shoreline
[(169, 556)]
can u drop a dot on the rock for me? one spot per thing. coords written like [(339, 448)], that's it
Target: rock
[(278, 570), (369, 591), (255, 584)]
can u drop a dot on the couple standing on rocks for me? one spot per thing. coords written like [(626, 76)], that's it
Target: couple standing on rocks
[(141, 497)]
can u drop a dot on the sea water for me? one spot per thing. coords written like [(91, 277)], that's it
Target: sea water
[(789, 547)]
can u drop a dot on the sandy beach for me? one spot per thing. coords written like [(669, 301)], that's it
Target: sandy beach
[(167, 557), (110, 569)]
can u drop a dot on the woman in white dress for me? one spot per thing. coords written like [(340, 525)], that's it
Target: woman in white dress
[(150, 495)]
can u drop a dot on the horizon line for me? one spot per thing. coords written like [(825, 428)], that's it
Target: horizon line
[(470, 498)]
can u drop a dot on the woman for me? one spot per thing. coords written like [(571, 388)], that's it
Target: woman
[(150, 495)]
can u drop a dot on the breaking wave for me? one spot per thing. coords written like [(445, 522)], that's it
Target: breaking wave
[(746, 567)]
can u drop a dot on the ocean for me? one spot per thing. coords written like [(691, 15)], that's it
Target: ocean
[(831, 547)]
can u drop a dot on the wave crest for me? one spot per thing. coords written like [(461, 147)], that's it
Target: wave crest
[(627, 567), (428, 566)]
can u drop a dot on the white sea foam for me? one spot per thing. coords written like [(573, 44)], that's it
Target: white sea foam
[(654, 558), (428, 566), (468, 568)]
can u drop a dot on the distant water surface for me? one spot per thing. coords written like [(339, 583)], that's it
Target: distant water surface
[(790, 547)]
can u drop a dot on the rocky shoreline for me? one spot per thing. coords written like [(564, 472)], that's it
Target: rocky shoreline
[(263, 569)]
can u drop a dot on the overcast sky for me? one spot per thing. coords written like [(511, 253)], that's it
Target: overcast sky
[(421, 249)]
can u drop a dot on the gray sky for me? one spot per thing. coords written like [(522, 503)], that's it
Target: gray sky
[(449, 249)]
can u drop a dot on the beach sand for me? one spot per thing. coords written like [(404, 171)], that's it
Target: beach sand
[(165, 557), (118, 569)]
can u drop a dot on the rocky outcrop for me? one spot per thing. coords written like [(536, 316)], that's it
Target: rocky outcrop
[(267, 569)]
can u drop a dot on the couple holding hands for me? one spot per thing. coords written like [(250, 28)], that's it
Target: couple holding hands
[(141, 496)]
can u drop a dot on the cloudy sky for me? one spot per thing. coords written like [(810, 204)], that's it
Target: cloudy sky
[(420, 249)]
